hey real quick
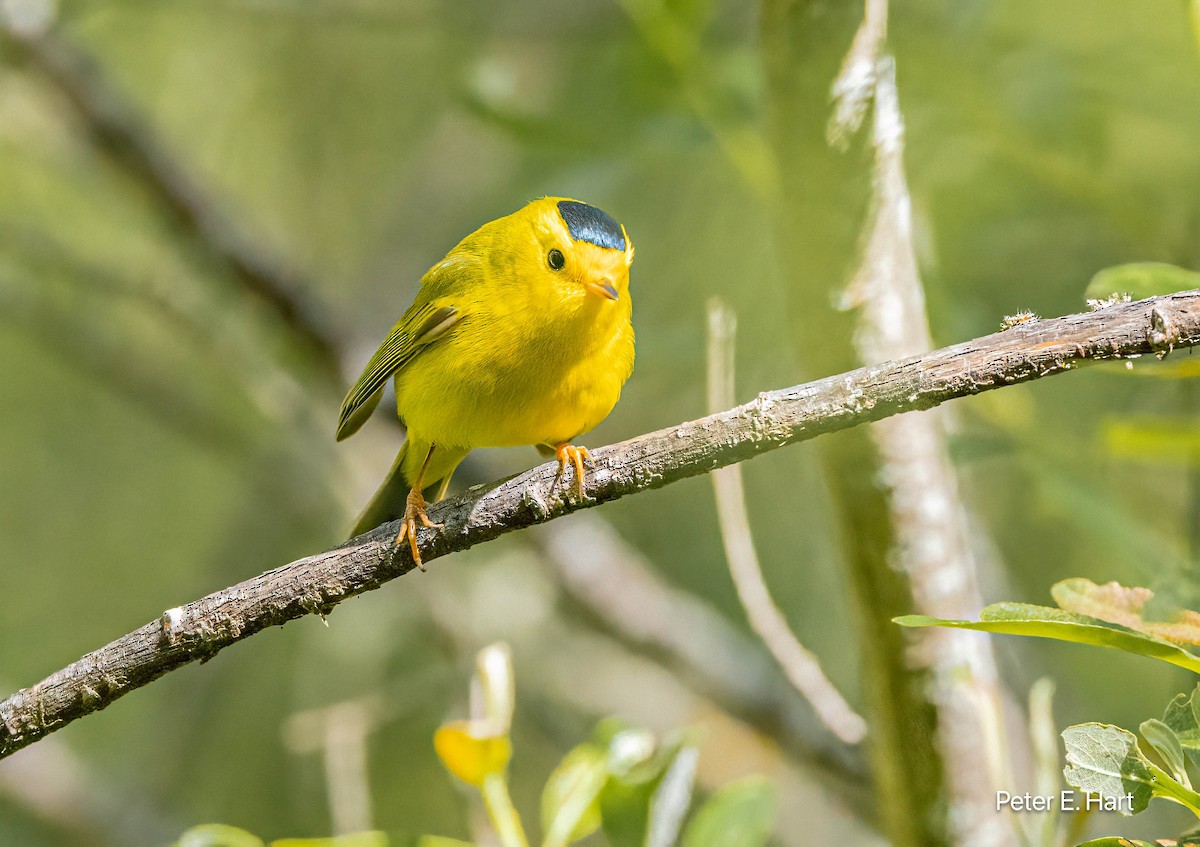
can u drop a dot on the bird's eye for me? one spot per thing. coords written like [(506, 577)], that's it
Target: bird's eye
[(556, 259)]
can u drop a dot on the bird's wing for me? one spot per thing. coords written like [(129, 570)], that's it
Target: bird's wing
[(427, 319)]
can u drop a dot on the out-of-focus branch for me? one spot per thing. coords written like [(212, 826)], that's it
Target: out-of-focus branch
[(930, 522), (801, 667), (115, 128), (818, 231), (314, 585), (339, 732), (611, 586), (56, 785)]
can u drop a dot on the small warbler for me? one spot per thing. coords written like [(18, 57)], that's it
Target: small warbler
[(520, 335)]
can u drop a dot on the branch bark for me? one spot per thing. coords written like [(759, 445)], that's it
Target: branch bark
[(314, 585)]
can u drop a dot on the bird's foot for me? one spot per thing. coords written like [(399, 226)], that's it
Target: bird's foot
[(576, 456), (414, 510)]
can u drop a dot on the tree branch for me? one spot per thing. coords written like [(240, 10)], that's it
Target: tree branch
[(314, 585)]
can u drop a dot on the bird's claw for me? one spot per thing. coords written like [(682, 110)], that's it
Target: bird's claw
[(414, 511), (576, 456)]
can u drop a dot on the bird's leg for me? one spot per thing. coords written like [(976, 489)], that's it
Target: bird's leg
[(575, 455), (414, 510), (441, 492)]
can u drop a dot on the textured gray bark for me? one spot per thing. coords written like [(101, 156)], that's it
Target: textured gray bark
[(314, 585)]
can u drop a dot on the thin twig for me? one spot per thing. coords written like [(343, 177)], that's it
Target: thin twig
[(611, 586), (801, 666), (314, 585)]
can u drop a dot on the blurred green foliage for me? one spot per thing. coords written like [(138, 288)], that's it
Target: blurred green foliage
[(163, 433), (636, 788)]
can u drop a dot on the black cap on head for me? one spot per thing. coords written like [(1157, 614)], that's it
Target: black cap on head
[(587, 223)]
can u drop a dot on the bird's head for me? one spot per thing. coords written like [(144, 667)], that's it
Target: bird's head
[(584, 251)]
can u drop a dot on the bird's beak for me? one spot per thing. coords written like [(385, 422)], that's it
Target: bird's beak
[(603, 288)]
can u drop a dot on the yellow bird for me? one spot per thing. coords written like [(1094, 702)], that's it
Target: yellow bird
[(521, 335)]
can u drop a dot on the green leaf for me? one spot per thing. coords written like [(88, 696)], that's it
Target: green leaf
[(1047, 622), (441, 841), (1166, 743), (1105, 761), (739, 815), (1169, 369), (1169, 441), (624, 810), (218, 835), (637, 767), (570, 800), (634, 755), (1183, 717), (1141, 280), (354, 839)]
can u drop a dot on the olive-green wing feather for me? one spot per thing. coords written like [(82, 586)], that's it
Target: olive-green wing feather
[(427, 319), (421, 325)]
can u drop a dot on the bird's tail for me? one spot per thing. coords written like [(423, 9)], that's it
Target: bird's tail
[(389, 501)]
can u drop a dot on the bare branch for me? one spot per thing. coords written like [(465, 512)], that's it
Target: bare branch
[(314, 585), (801, 667)]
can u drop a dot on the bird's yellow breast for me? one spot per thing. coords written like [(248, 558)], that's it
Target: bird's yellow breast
[(483, 388), (461, 396), (534, 359)]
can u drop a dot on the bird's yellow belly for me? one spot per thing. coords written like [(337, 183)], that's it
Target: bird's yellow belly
[(459, 394)]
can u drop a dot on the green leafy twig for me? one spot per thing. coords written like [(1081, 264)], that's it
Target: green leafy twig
[(1107, 763)]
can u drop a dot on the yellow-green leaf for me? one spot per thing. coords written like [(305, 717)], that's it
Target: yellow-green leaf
[(1047, 622), (1105, 761), (1141, 280), (1183, 717), (218, 835), (739, 815), (1166, 743), (354, 839), (1171, 368), (1171, 441), (571, 798)]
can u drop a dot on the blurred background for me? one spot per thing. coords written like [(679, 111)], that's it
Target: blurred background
[(212, 212)]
